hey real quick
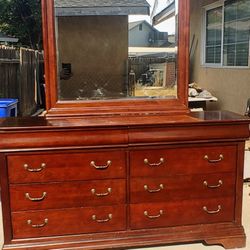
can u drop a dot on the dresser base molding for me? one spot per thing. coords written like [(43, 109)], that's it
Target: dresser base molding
[(226, 234)]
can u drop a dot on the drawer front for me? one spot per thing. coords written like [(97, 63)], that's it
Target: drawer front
[(150, 215), (68, 166), (68, 194), (181, 161), (181, 187), (68, 221)]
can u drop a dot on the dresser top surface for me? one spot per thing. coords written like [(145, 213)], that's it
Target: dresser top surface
[(122, 121)]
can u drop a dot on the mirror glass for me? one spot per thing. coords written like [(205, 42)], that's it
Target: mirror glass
[(106, 51)]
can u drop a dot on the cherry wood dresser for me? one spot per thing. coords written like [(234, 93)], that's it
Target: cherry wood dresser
[(108, 168), (122, 182)]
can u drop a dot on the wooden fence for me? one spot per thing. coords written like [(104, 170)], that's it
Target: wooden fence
[(140, 65), (21, 71)]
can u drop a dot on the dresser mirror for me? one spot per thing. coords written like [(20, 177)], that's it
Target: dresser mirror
[(104, 59)]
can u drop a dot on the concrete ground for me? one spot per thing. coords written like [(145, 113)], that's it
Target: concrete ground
[(246, 223)]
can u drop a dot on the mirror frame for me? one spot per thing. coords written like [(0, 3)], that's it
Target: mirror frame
[(57, 108)]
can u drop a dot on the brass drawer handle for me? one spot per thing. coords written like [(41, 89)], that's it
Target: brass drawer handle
[(30, 169), (110, 216), (27, 195), (221, 157), (146, 161), (161, 187), (92, 163), (153, 216), (205, 183), (93, 191), (29, 222), (212, 212)]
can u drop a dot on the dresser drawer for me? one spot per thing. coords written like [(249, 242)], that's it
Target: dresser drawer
[(181, 161), (181, 187), (68, 194), (68, 166), (150, 215), (68, 221)]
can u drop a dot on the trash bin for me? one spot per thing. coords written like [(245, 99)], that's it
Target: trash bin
[(8, 107)]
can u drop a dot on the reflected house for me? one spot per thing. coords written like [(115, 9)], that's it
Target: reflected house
[(143, 34), (92, 42), (159, 49)]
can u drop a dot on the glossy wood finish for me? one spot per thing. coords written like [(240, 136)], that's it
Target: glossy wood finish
[(220, 159), (58, 108), (68, 221), (51, 160), (69, 171), (66, 166), (186, 212), (67, 194), (181, 187)]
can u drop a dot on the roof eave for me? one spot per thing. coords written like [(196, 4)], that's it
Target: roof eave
[(164, 14), (103, 11)]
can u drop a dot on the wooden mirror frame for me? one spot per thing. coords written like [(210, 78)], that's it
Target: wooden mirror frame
[(57, 108)]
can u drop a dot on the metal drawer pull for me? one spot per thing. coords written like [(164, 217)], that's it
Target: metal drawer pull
[(221, 157), (161, 187), (205, 183), (29, 222), (146, 161), (212, 212), (93, 191), (153, 216), (92, 163), (102, 221), (30, 169), (27, 195)]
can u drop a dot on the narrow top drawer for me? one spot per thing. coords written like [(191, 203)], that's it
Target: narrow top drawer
[(178, 161), (28, 168)]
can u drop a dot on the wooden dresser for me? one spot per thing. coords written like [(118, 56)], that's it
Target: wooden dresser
[(113, 166), (139, 181)]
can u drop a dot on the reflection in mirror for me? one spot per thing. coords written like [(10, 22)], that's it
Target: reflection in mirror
[(109, 50)]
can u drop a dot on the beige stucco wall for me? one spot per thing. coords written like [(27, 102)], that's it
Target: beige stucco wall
[(97, 49), (230, 86)]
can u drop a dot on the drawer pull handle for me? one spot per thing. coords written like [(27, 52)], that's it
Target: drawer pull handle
[(221, 157), (92, 163), (215, 186), (102, 221), (93, 191), (30, 169), (161, 187), (29, 222), (212, 212), (153, 216), (146, 161), (27, 195)]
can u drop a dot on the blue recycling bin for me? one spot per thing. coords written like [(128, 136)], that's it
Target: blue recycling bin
[(8, 107)]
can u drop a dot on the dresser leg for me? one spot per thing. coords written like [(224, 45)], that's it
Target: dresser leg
[(229, 242)]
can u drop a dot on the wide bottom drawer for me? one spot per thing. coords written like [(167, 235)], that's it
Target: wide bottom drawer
[(150, 215), (68, 221)]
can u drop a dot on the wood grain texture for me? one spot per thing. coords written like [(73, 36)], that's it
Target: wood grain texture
[(68, 221), (68, 194), (174, 159), (66, 166), (186, 212), (138, 238), (181, 187), (58, 108)]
